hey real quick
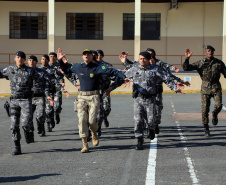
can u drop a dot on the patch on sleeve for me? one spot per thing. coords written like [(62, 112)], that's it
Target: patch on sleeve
[(103, 67)]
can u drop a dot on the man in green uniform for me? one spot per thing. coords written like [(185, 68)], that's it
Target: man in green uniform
[(210, 70)]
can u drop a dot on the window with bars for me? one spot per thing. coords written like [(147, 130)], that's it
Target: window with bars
[(28, 25), (150, 26), (84, 26)]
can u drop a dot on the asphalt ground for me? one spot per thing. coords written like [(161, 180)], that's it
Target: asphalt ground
[(184, 155)]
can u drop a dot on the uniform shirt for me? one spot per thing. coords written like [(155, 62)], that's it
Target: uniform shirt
[(145, 79), (89, 75), (21, 80), (209, 71), (57, 87), (105, 80), (164, 66), (44, 83), (54, 67)]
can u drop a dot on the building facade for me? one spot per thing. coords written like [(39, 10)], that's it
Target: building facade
[(38, 27)]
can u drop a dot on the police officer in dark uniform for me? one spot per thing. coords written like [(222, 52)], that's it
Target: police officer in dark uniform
[(105, 85), (145, 78), (40, 94), (55, 92), (210, 70), (57, 96), (159, 83), (89, 74), (21, 82)]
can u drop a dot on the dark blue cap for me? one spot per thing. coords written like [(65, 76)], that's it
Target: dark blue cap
[(53, 53), (145, 54), (21, 54), (33, 57), (46, 56), (210, 47), (86, 51), (152, 56)]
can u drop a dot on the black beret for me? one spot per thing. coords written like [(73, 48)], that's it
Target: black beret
[(53, 53), (152, 56), (46, 56), (210, 47), (33, 57), (21, 54), (152, 50), (94, 52), (86, 51), (145, 54), (101, 52)]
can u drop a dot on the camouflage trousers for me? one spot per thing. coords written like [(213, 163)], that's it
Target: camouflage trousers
[(55, 110), (158, 107), (38, 104), (87, 108), (105, 108), (21, 109), (206, 101), (144, 109)]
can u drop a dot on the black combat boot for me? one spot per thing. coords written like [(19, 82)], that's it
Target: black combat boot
[(99, 131), (57, 118), (215, 119), (106, 123), (140, 142), (43, 131), (49, 128), (151, 134), (207, 131), (29, 136), (89, 135), (39, 128), (157, 129), (147, 133), (17, 150), (52, 124)]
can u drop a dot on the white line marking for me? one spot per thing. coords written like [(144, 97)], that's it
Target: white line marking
[(191, 168), (224, 108), (150, 175)]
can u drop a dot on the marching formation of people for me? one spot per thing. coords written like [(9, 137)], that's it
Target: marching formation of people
[(40, 89)]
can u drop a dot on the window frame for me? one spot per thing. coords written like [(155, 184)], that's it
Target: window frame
[(144, 16), (22, 25), (87, 26)]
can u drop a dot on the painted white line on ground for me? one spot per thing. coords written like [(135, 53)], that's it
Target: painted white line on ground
[(191, 168), (150, 175), (224, 108)]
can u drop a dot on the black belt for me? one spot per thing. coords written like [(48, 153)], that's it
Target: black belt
[(146, 96), (38, 95)]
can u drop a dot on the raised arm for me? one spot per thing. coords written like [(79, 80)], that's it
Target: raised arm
[(186, 65)]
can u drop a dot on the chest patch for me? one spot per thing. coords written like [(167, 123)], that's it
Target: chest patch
[(91, 75)]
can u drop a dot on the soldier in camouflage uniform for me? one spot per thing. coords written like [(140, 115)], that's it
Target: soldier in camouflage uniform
[(21, 82), (210, 70), (55, 93), (145, 77), (40, 94)]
